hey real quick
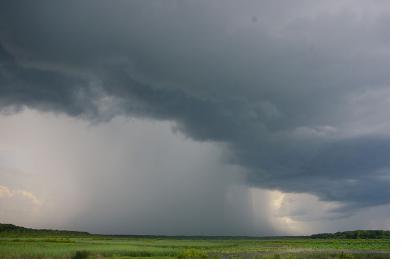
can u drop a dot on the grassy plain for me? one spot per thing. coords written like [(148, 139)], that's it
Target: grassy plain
[(22, 245)]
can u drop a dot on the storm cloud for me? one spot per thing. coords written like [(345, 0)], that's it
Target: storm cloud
[(296, 92)]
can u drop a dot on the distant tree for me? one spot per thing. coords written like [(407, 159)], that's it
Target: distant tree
[(357, 234)]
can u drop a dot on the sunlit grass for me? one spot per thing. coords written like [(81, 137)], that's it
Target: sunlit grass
[(168, 247)]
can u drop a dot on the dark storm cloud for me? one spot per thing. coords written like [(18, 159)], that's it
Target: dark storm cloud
[(298, 90), (38, 88)]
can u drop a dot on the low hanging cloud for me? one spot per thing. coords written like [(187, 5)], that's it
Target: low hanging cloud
[(17, 204), (298, 92), (133, 176), (122, 176)]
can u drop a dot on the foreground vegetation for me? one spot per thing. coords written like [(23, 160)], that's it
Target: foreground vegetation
[(27, 243)]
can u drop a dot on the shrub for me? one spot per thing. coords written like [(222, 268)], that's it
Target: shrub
[(82, 254), (192, 254)]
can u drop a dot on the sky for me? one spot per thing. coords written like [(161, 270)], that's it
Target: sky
[(195, 118)]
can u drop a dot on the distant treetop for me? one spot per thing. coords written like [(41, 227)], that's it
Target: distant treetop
[(356, 234), (10, 228)]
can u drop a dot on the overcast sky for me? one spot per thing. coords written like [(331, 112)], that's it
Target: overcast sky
[(185, 117)]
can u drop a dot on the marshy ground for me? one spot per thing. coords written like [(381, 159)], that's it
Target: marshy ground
[(98, 246)]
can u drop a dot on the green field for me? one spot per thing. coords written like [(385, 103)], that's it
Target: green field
[(59, 244)]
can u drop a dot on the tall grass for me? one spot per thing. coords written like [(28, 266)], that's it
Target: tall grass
[(193, 248)]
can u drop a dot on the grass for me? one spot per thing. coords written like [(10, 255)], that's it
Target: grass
[(97, 246)]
